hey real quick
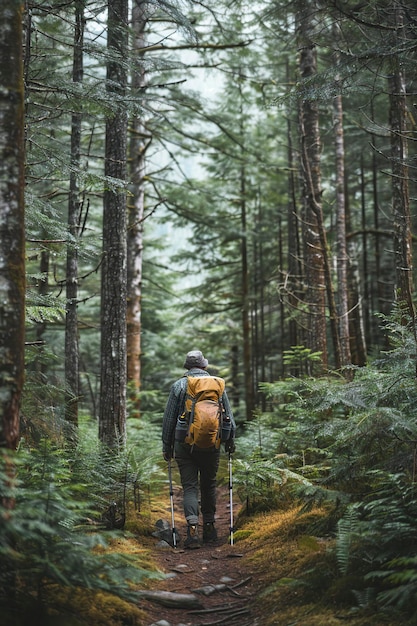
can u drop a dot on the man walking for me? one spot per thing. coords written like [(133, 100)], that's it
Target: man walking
[(197, 466)]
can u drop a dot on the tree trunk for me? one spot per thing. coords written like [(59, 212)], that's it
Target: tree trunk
[(40, 364), (366, 284), (137, 148), (246, 320), (12, 221), (71, 319), (310, 157), (112, 418), (256, 307), (233, 388), (245, 281), (356, 299), (293, 280), (400, 185), (262, 348), (342, 255)]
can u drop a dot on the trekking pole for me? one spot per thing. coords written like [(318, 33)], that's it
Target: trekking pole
[(171, 497), (231, 497)]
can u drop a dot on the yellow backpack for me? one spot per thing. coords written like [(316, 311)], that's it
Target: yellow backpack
[(204, 411)]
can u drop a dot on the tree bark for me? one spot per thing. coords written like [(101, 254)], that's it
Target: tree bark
[(139, 141), (246, 319), (400, 184), (12, 221), (310, 158), (40, 363), (342, 252), (112, 418), (74, 206), (245, 280), (356, 299), (294, 278)]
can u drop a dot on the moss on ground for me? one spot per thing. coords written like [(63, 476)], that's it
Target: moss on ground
[(297, 573)]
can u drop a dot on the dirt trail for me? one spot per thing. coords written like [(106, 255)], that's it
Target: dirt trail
[(197, 571)]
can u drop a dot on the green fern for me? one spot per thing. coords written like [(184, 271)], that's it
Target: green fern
[(400, 575), (347, 528)]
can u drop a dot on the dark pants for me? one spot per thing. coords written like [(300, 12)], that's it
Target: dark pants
[(194, 464)]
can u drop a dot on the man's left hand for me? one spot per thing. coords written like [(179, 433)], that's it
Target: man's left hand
[(167, 455)]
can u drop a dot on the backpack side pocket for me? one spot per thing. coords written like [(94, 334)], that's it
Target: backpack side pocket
[(226, 429), (181, 428)]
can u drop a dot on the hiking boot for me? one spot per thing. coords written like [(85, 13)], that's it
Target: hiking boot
[(192, 540), (209, 532)]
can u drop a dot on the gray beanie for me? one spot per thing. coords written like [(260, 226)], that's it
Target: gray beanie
[(195, 358)]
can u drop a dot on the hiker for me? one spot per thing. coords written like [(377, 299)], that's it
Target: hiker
[(197, 465)]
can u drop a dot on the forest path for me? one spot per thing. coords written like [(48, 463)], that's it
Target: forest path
[(200, 569)]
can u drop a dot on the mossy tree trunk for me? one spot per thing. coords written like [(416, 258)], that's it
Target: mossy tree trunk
[(12, 229)]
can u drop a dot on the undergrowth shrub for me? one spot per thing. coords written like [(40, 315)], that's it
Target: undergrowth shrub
[(382, 527), (53, 500), (350, 444)]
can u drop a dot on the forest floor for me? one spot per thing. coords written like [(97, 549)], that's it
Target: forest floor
[(196, 573), (255, 582)]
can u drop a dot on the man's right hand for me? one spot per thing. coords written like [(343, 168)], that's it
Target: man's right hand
[(229, 446), (167, 455)]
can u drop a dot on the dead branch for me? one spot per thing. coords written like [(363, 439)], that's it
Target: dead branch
[(241, 583), (208, 590), (172, 600)]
